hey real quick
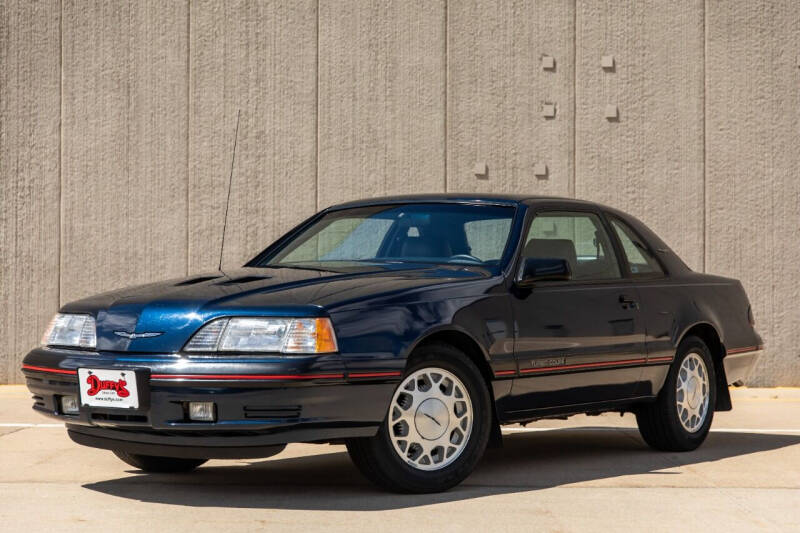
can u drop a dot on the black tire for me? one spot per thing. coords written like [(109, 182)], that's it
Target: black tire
[(152, 463), (376, 457), (659, 422)]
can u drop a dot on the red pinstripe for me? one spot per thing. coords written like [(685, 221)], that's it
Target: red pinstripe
[(599, 364), (222, 377), (374, 374), (583, 365), (261, 377), (745, 349), (51, 370)]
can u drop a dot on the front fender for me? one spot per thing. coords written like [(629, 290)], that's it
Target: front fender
[(376, 339)]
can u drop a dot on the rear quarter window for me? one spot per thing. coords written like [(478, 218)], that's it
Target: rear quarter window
[(641, 261)]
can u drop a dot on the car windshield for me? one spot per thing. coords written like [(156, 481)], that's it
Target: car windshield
[(421, 233)]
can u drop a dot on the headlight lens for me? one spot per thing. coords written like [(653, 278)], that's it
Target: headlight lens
[(71, 330), (284, 335)]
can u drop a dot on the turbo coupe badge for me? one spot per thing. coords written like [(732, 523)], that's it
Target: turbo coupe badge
[(554, 361)]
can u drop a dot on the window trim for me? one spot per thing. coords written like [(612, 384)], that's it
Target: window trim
[(611, 218), (533, 212)]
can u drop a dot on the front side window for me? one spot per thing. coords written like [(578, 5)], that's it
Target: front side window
[(578, 238), (428, 233), (640, 260)]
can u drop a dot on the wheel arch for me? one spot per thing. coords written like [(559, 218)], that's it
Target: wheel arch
[(466, 343), (709, 334)]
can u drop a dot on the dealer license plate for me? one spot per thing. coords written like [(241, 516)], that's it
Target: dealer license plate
[(108, 388)]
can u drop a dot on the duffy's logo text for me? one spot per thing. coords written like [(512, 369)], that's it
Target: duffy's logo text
[(96, 385)]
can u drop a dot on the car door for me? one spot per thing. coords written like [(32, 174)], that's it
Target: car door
[(578, 341), (660, 302)]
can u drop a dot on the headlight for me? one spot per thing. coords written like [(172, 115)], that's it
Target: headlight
[(71, 330), (285, 335)]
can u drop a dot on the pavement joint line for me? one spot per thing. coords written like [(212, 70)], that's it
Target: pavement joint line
[(784, 400), (505, 430), (612, 428), (582, 485), (749, 430), (25, 425)]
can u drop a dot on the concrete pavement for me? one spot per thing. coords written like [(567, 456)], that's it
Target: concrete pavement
[(584, 474)]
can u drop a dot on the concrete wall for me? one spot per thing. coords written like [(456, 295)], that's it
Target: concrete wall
[(117, 124), (752, 159), (30, 170)]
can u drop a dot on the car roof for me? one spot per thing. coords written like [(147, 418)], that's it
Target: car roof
[(470, 198)]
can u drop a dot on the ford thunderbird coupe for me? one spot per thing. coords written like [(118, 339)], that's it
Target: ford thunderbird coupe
[(409, 329)]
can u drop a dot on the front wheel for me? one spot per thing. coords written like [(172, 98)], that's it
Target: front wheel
[(680, 418), (152, 463), (436, 428)]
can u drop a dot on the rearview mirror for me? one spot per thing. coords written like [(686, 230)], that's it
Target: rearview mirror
[(543, 269)]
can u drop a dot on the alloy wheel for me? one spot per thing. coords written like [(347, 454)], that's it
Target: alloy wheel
[(692, 392), (430, 419)]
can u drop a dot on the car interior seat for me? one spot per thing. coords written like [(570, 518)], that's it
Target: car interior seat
[(554, 249), (425, 246)]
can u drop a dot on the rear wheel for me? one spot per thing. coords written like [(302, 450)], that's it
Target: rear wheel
[(680, 418), (436, 428), (152, 463)]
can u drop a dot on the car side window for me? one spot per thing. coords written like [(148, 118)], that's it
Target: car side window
[(578, 238), (640, 260)]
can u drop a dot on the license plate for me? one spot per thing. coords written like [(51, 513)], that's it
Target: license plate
[(108, 388)]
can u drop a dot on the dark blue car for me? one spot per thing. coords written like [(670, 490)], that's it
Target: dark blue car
[(408, 328)]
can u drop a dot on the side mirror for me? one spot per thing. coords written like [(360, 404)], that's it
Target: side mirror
[(543, 269)]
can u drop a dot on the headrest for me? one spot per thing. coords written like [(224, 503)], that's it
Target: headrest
[(552, 248)]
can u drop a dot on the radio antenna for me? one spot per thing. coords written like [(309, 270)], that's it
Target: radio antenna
[(230, 183)]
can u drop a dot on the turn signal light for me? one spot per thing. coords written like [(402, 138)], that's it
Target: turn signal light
[(326, 338)]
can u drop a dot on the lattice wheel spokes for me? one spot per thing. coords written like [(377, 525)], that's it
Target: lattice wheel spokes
[(692, 392), (430, 418)]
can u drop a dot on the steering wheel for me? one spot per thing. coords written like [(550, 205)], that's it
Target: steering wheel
[(466, 257)]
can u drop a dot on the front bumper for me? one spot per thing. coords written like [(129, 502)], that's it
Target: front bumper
[(261, 403)]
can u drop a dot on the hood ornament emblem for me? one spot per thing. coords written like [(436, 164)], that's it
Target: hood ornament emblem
[(144, 335)]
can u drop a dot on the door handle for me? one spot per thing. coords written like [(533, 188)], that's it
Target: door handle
[(628, 302)]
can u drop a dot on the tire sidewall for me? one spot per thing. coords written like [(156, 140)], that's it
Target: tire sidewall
[(690, 440), (455, 361)]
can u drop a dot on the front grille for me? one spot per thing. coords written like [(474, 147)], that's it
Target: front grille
[(191, 433), (61, 383), (38, 401), (271, 411), (103, 417)]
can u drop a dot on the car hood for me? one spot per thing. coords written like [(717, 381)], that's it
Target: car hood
[(169, 312)]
